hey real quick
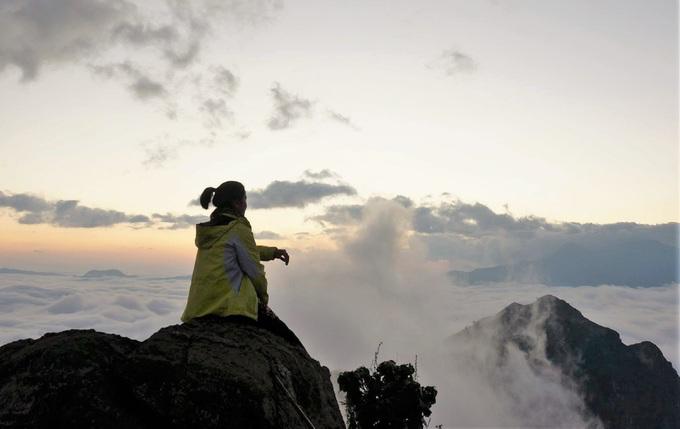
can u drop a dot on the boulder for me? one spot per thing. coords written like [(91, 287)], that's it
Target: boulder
[(210, 372)]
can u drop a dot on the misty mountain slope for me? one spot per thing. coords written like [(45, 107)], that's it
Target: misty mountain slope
[(646, 263), (620, 386)]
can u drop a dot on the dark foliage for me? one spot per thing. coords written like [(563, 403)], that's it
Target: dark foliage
[(390, 397)]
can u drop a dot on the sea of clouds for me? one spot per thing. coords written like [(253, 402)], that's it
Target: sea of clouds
[(378, 287)]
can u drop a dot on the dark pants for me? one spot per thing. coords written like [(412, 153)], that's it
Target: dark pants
[(268, 320)]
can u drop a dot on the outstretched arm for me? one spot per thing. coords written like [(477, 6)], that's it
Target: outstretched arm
[(270, 253)]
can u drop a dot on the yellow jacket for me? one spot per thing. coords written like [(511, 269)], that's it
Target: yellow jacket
[(228, 278)]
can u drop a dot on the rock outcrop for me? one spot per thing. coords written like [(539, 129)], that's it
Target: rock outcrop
[(623, 386), (207, 373)]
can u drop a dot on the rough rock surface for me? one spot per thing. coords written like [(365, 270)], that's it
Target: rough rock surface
[(624, 386), (206, 373)]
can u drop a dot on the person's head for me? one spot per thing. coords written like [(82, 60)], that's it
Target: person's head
[(229, 195)]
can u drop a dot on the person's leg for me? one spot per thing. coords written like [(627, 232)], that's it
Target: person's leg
[(271, 322)]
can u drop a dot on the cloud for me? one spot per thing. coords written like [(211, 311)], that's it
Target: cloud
[(267, 235), (471, 235), (70, 214), (158, 154), (294, 194), (320, 175), (342, 119), (179, 221), (341, 214), (453, 62), (144, 33), (24, 202), (34, 33), (223, 81), (152, 51), (472, 219), (145, 88), (288, 108), (221, 86), (64, 213), (381, 286), (351, 214), (134, 308)]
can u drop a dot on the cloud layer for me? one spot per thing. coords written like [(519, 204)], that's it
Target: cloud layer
[(379, 286)]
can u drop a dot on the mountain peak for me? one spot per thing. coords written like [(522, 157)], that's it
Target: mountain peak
[(104, 273), (624, 386)]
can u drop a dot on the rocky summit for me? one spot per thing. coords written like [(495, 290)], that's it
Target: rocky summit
[(624, 386), (208, 373)]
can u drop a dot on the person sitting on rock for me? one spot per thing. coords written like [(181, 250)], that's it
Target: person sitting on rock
[(228, 279)]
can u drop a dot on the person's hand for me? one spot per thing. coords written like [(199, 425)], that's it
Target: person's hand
[(282, 255)]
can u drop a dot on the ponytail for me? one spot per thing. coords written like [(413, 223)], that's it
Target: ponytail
[(206, 196), (224, 196)]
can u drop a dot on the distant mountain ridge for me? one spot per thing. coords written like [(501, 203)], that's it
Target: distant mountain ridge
[(641, 263), (104, 273), (624, 386), (29, 273)]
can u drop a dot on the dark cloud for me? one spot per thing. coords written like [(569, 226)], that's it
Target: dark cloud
[(405, 202), (294, 194), (24, 203), (353, 213), (34, 33), (179, 221), (145, 88), (145, 33), (472, 219), (69, 214), (64, 213), (472, 235), (453, 61), (341, 214), (153, 54), (288, 108)]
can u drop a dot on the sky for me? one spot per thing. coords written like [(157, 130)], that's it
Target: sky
[(382, 143), (116, 115)]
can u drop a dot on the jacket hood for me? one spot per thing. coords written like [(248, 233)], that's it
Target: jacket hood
[(208, 233)]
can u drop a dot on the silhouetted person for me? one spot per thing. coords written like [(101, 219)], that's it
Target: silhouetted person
[(228, 278)]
